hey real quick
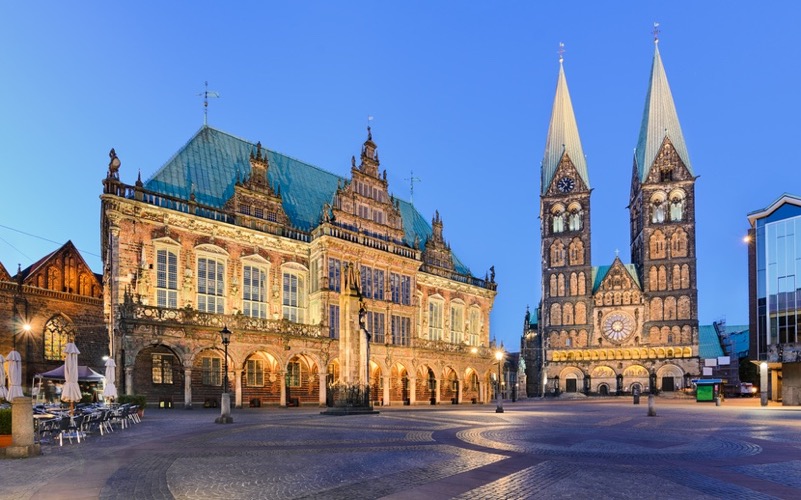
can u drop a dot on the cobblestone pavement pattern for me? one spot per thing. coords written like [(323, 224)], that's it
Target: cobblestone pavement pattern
[(536, 449)]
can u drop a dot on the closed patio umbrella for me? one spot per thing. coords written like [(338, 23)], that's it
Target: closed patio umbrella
[(110, 390), (14, 376), (71, 391), (3, 391)]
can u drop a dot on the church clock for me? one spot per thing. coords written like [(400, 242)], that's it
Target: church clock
[(565, 184), (617, 326)]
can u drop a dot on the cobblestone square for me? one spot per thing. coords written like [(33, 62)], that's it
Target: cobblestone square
[(603, 448)]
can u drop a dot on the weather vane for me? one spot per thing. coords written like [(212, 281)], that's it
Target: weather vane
[(412, 180), (656, 32), (206, 94), (561, 51)]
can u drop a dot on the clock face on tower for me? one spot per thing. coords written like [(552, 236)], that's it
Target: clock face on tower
[(565, 184), (617, 326)]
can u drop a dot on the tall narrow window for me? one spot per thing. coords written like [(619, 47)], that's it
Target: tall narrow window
[(366, 276), (212, 371), (457, 323), (333, 321), (401, 288), (254, 292), (434, 319), (375, 325), (210, 294), (293, 374), (400, 330), (474, 328), (294, 300), (334, 274), (166, 279), (378, 284)]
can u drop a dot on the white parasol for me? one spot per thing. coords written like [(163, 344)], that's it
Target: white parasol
[(14, 376), (3, 391), (110, 390), (71, 391)]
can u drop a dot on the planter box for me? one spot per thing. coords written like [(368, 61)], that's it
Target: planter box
[(5, 440)]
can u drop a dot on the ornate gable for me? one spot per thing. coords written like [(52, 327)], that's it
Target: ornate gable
[(566, 170), (437, 251), (63, 271), (618, 279), (364, 204), (667, 166), (255, 202)]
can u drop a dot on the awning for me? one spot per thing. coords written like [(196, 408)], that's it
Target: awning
[(85, 374)]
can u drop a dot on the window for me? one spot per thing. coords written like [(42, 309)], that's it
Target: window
[(574, 217), (457, 323), (366, 275), (255, 373), (212, 371), (166, 279), (375, 325), (58, 333), (400, 330), (210, 292), (474, 327), (434, 319), (294, 300), (378, 284), (334, 274), (293, 374), (254, 292), (162, 368), (401, 287), (658, 208), (333, 322)]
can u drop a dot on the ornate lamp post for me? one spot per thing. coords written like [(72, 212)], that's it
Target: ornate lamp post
[(499, 357), (225, 404)]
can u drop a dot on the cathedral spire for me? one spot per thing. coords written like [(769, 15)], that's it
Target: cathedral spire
[(563, 137), (659, 121)]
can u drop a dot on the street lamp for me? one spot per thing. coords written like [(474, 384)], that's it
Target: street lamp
[(225, 404), (499, 357)]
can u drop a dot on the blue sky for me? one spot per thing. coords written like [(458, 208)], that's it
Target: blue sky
[(460, 92)]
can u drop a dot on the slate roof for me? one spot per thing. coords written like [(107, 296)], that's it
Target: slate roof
[(659, 120), (210, 163), (563, 136)]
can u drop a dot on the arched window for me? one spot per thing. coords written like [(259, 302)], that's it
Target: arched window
[(561, 285), (675, 277), (683, 307), (676, 205), (658, 207), (254, 289), (167, 275), (556, 314), (554, 291), (581, 313), (576, 252), (662, 278), (557, 254), (678, 243), (435, 305), (670, 308), (656, 309), (457, 322), (685, 276), (567, 314), (582, 287), (657, 245), (58, 332), (573, 284), (574, 217), (558, 218)]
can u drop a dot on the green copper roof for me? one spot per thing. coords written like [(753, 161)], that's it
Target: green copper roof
[(563, 136), (659, 120), (600, 272), (212, 161), (708, 342)]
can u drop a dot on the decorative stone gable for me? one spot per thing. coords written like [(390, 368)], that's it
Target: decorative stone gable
[(667, 166), (364, 204), (256, 204), (4, 276), (566, 170), (437, 251), (63, 271)]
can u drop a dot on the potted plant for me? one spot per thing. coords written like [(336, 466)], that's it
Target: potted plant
[(135, 399)]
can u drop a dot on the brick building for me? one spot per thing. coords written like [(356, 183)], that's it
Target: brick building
[(298, 263), (612, 328), (56, 300)]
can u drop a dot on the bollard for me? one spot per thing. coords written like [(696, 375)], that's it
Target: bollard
[(717, 401), (651, 406), (636, 397), (22, 445), (225, 410)]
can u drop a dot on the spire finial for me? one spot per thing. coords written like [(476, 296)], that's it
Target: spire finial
[(656, 32), (561, 52)]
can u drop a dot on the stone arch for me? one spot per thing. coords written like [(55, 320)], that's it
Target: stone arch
[(656, 245), (426, 385), (556, 314), (449, 390), (683, 308), (262, 375), (560, 285), (685, 276), (557, 252), (670, 308), (399, 385), (571, 379), (582, 284), (567, 314), (653, 278), (553, 288), (666, 372), (159, 372), (580, 313), (656, 309), (678, 243), (573, 284), (576, 252), (302, 379)]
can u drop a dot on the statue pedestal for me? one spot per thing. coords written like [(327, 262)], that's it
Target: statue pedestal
[(225, 410)]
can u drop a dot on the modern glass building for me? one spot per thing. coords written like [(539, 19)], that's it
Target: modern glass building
[(774, 263)]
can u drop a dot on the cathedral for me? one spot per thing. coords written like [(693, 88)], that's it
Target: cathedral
[(617, 328), (324, 280)]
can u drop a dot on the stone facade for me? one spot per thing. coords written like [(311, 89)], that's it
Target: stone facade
[(620, 327), (298, 300), (60, 298)]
